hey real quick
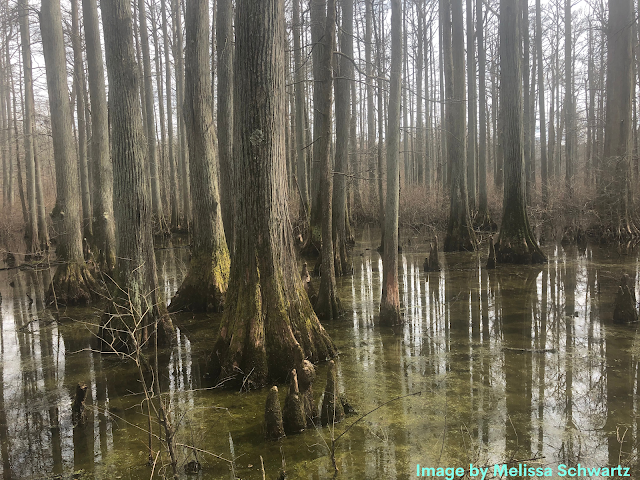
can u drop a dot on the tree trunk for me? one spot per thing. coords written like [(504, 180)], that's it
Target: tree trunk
[(224, 51), (182, 150), (460, 234), (543, 127), (471, 110), (174, 194), (527, 95), (33, 243), (152, 155), (516, 243), (137, 303), (568, 100), (343, 81), (269, 326), (390, 302), (206, 282), (302, 151), (483, 218), (104, 226), (328, 305), (79, 80), (72, 282), (613, 192)]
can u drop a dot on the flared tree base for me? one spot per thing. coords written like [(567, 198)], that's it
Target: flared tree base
[(519, 249), (205, 285), (622, 231), (72, 284), (263, 333), (460, 238)]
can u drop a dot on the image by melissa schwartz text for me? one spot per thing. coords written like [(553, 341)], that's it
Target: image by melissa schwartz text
[(521, 470)]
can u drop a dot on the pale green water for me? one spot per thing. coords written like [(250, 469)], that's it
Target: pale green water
[(513, 364)]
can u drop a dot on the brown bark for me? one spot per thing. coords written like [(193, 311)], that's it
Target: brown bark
[(268, 319), (206, 282), (516, 243), (72, 282), (390, 302), (224, 50), (343, 81), (137, 305), (327, 306), (79, 81), (460, 234), (613, 191), (27, 126), (104, 239)]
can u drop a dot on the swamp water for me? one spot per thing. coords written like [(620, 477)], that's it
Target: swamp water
[(518, 364)]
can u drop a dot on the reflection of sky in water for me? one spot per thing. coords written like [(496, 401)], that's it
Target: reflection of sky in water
[(511, 363)]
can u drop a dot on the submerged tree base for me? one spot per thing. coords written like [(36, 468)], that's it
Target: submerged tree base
[(205, 285), (520, 249), (460, 237), (72, 284), (484, 223), (263, 332)]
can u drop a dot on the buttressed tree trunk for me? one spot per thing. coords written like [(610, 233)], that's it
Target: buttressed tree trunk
[(224, 51), (613, 192), (390, 302), (206, 282), (516, 243), (137, 303), (268, 321), (460, 234), (72, 282), (104, 237), (328, 305)]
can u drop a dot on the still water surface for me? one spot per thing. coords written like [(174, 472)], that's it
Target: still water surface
[(518, 364)]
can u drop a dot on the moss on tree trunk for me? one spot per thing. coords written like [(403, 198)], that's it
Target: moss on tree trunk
[(205, 285)]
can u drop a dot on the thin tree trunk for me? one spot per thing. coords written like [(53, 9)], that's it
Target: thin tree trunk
[(33, 243), (390, 302), (543, 127), (568, 99), (460, 234), (224, 50), (152, 155), (301, 138), (343, 81), (78, 74), (471, 110), (72, 282), (328, 304), (104, 226)]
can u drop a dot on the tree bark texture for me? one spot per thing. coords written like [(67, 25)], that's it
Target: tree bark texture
[(328, 305), (516, 243), (390, 302), (27, 125), (72, 282), (104, 238), (613, 192), (224, 51), (137, 303), (343, 81), (268, 320), (460, 234), (206, 282)]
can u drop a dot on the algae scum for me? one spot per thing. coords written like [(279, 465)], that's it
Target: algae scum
[(519, 365)]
